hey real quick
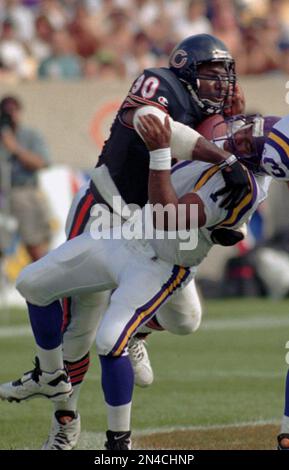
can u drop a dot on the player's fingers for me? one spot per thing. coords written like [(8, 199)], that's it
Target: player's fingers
[(145, 122), (142, 127), (230, 206), (167, 124), (155, 119), (226, 202), (157, 123), (142, 131), (147, 126), (221, 192), (233, 200), (152, 130)]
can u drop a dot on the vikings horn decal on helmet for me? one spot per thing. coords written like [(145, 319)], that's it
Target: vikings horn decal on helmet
[(200, 49)]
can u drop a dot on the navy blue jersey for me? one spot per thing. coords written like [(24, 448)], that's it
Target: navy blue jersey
[(125, 153)]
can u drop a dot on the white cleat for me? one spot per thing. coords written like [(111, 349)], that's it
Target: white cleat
[(63, 436), (143, 373), (36, 383)]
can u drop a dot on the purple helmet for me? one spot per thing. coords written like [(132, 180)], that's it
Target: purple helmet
[(258, 129)]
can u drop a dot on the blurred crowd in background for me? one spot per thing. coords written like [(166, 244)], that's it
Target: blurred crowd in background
[(117, 39), (71, 39)]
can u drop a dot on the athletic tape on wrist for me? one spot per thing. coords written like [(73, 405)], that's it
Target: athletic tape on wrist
[(160, 159), (228, 162)]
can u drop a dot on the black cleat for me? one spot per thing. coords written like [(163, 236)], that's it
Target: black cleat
[(118, 440)]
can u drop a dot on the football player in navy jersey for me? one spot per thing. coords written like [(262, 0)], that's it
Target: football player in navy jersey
[(199, 82)]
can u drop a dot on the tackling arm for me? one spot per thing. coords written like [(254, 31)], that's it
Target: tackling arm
[(185, 142), (157, 138), (188, 144)]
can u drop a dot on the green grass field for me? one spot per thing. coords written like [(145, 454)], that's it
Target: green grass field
[(231, 372)]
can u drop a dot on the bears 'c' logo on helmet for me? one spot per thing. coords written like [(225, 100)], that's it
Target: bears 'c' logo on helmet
[(179, 58)]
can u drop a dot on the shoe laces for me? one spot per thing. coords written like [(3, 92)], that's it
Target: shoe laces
[(59, 437), (136, 348), (59, 433), (35, 373)]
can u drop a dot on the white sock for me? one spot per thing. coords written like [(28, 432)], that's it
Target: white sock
[(71, 403), (285, 425), (50, 359), (118, 417)]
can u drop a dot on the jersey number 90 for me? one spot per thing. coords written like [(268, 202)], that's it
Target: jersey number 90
[(148, 87)]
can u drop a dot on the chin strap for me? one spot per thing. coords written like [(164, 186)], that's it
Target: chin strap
[(207, 106)]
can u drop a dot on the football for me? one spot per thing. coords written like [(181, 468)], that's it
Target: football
[(212, 127)]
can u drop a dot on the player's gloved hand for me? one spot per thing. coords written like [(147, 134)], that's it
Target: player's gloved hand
[(226, 237), (237, 183)]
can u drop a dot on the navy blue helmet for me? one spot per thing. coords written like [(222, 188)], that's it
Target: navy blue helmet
[(197, 50)]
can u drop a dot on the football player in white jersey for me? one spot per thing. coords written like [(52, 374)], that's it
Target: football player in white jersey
[(271, 160), (124, 266), (275, 160)]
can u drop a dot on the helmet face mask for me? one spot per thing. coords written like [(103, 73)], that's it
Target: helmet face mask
[(202, 58), (215, 85), (245, 138)]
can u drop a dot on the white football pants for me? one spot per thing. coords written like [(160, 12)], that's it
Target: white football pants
[(181, 314), (83, 265)]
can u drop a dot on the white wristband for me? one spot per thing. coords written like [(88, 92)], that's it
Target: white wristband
[(160, 159)]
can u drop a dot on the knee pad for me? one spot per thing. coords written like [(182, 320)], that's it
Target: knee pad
[(193, 322), (180, 323), (27, 286), (185, 328), (103, 343), (76, 344)]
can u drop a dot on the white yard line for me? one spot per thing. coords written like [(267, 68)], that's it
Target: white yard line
[(95, 441), (252, 323), (15, 331), (213, 374)]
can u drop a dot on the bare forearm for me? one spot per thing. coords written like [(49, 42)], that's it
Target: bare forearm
[(162, 193), (160, 188), (206, 151), (185, 142)]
